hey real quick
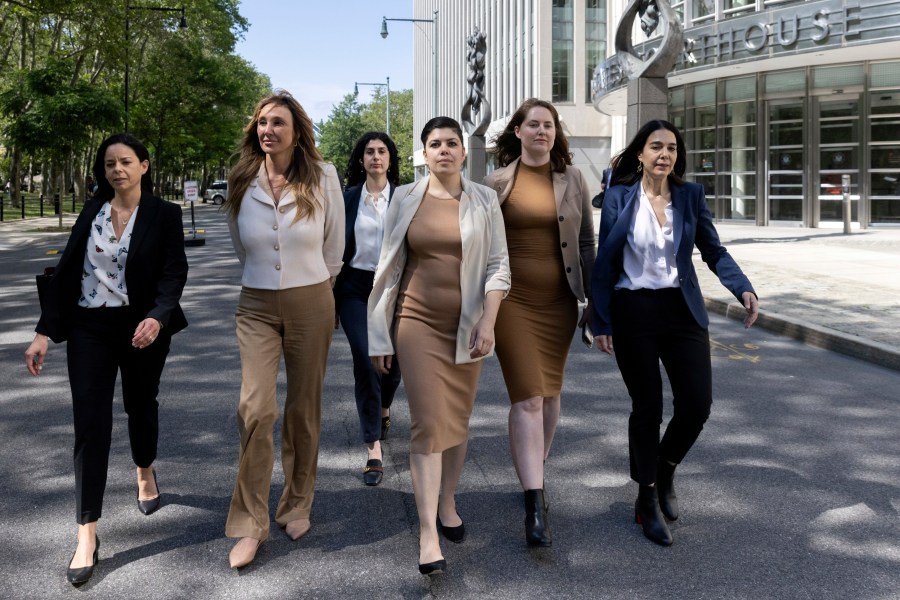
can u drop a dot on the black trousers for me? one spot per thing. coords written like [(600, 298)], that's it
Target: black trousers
[(651, 326), (99, 347), (373, 390)]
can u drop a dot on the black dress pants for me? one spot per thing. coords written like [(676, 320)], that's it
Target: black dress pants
[(373, 390), (99, 346), (650, 326)]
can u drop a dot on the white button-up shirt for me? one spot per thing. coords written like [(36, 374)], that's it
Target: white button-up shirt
[(369, 228), (649, 255)]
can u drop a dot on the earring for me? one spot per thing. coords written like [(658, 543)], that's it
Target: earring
[(640, 166)]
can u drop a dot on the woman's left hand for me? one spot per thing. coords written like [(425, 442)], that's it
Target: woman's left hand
[(752, 306), (146, 333), (481, 342)]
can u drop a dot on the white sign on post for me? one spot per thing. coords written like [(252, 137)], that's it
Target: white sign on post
[(191, 191)]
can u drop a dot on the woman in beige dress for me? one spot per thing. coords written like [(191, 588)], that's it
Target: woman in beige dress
[(442, 274), (549, 228), (286, 217)]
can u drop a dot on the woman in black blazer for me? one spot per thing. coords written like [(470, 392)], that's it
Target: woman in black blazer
[(372, 174), (647, 298), (114, 298)]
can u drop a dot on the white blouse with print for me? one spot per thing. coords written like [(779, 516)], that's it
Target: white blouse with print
[(103, 273)]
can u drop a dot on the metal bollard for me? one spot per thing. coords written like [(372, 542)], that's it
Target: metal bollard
[(845, 188), (56, 206)]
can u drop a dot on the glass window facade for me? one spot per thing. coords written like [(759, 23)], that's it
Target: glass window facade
[(595, 40), (775, 147), (563, 55)]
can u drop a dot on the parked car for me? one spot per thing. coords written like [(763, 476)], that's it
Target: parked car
[(217, 193)]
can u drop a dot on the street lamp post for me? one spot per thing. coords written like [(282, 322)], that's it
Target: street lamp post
[(434, 54), (182, 24), (387, 111)]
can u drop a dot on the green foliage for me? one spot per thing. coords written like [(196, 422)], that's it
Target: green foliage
[(62, 71), (349, 120)]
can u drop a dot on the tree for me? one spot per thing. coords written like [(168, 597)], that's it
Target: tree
[(338, 135), (349, 120)]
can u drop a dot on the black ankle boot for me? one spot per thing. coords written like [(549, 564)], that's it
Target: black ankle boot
[(537, 530), (650, 518), (665, 487)]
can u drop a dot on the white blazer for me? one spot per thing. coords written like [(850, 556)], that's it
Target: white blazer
[(485, 262)]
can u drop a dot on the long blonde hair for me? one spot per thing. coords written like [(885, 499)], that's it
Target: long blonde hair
[(303, 174)]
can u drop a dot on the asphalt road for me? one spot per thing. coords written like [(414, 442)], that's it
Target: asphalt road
[(793, 490)]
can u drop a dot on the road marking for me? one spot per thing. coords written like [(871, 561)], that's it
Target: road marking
[(736, 351), (52, 251)]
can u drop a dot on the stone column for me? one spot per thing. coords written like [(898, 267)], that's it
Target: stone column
[(476, 160), (648, 99)]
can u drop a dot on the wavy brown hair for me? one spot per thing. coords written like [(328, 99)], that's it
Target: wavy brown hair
[(508, 147), (304, 172)]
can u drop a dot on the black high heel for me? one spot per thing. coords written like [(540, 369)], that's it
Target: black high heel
[(433, 568), (665, 486), (454, 534), (648, 515), (148, 507), (537, 530), (81, 575)]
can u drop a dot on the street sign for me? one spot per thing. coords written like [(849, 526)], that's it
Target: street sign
[(191, 191)]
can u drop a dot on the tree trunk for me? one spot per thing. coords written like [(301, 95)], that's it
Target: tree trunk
[(15, 177)]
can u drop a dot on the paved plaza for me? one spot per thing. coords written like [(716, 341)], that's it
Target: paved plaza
[(793, 490)]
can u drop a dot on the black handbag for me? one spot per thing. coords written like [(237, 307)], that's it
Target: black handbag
[(43, 285)]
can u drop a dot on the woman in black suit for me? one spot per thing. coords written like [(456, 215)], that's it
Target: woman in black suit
[(372, 174), (114, 298), (647, 298)]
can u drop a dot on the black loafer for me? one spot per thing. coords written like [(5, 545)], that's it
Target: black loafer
[(454, 534), (81, 575), (385, 425), (148, 507), (373, 472)]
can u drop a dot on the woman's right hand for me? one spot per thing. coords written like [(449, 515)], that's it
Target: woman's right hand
[(34, 356), (604, 343), (382, 364)]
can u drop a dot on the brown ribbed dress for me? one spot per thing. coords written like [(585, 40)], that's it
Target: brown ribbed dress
[(441, 393), (536, 320)]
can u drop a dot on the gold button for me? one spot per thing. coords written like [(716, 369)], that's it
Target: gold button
[(281, 210)]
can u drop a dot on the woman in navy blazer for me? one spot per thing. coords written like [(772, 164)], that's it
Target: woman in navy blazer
[(114, 299), (647, 298), (372, 174)]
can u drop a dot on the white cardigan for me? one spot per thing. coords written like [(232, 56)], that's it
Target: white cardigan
[(277, 253), (485, 262)]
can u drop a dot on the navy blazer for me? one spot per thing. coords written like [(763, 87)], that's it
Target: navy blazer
[(155, 273), (692, 226), (351, 209)]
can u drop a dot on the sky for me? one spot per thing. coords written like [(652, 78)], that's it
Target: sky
[(317, 49)]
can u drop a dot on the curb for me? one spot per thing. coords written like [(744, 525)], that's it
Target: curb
[(813, 335)]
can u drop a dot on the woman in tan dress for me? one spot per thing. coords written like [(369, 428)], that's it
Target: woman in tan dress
[(442, 273), (549, 228)]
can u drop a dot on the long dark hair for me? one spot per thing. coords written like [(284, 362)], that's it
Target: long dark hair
[(508, 147), (355, 173), (625, 163), (105, 190)]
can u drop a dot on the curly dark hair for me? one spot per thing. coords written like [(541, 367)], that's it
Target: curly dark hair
[(508, 147), (355, 174), (625, 163)]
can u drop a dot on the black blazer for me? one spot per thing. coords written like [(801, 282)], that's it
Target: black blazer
[(155, 273), (351, 209)]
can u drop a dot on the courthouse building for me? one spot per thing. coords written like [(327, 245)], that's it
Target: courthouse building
[(778, 99)]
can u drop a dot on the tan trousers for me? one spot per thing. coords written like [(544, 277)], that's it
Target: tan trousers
[(298, 322)]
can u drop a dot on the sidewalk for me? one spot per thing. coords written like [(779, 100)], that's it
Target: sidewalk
[(830, 290)]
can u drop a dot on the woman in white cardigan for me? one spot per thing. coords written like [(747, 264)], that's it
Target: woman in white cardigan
[(287, 224), (443, 271)]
